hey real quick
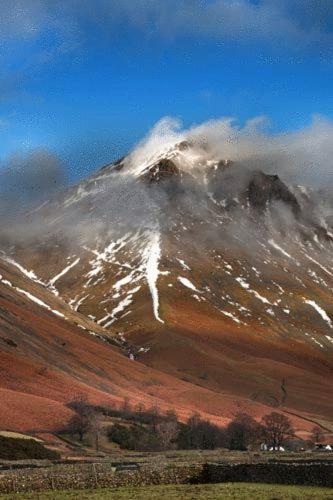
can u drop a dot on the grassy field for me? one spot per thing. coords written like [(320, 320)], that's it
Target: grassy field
[(224, 491), (18, 435)]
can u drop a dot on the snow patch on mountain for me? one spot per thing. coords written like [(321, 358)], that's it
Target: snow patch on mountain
[(232, 316), (320, 311), (31, 297), (186, 282), (77, 303), (257, 295), (151, 258), (280, 249), (119, 308), (123, 281), (63, 272), (29, 274), (184, 265), (320, 265)]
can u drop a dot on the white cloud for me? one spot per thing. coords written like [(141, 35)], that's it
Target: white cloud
[(301, 157), (273, 20)]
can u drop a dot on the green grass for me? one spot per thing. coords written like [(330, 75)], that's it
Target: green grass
[(223, 491)]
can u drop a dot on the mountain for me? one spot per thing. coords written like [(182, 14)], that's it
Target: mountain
[(171, 276)]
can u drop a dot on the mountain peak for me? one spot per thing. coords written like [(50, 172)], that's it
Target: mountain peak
[(162, 170)]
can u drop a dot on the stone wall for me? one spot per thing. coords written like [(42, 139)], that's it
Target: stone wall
[(310, 474), (99, 475), (107, 475)]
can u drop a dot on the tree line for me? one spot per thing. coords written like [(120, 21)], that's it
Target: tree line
[(149, 429)]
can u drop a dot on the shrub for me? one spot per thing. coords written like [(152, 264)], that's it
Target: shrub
[(135, 437), (200, 434), (243, 431)]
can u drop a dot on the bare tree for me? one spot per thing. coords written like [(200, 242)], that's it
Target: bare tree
[(126, 407), (109, 409), (140, 408), (317, 434), (277, 428), (95, 427), (167, 432), (155, 414), (80, 421)]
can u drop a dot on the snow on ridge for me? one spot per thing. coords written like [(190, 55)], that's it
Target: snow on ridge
[(32, 297), (231, 316), (280, 249), (242, 282), (257, 295), (40, 302), (29, 274), (151, 258), (119, 308), (148, 270), (260, 297), (186, 282), (318, 264), (157, 148), (63, 272), (183, 264), (75, 306), (107, 256), (143, 161), (320, 311), (124, 281)]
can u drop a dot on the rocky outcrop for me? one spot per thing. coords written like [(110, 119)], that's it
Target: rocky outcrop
[(264, 189), (165, 169)]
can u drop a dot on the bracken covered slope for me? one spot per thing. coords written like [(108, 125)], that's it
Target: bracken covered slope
[(178, 278)]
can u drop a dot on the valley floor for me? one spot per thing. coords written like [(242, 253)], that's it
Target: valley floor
[(223, 491)]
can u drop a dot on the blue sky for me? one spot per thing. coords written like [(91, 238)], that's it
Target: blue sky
[(85, 80)]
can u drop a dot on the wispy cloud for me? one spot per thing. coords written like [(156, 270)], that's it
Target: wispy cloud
[(35, 34), (29, 177), (306, 22), (301, 157), (39, 31)]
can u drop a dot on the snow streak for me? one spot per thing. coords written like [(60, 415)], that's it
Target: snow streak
[(152, 255), (187, 283), (63, 272), (320, 311)]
